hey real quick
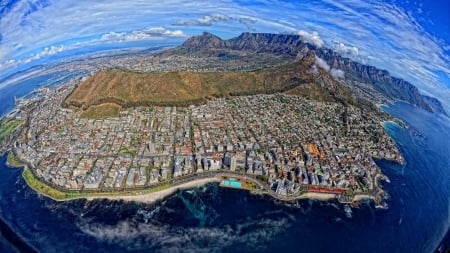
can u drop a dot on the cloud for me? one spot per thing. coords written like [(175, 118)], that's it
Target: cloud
[(213, 19), (337, 73), (344, 50), (156, 32), (7, 63), (247, 21), (389, 34), (48, 51), (321, 63), (314, 69), (311, 38), (204, 21), (207, 20)]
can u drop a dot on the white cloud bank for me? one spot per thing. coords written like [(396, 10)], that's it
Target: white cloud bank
[(147, 34), (115, 37), (344, 50), (218, 19), (206, 20), (337, 73), (311, 38), (48, 51), (321, 63)]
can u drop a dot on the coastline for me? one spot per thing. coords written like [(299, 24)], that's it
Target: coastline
[(139, 196), (152, 193), (317, 196), (13, 162), (360, 197), (160, 192), (157, 195)]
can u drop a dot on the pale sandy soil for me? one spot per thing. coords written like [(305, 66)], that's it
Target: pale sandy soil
[(154, 196), (363, 196), (317, 195)]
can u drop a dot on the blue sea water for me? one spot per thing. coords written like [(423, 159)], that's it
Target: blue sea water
[(26, 87), (416, 221)]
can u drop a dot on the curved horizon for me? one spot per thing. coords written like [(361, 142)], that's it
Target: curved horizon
[(408, 40)]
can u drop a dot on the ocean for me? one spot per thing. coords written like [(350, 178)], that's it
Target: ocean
[(215, 219)]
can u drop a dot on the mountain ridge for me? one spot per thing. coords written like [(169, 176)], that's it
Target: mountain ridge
[(292, 46), (124, 88), (285, 63)]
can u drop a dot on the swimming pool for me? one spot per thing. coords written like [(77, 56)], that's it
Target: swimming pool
[(232, 183), (236, 184)]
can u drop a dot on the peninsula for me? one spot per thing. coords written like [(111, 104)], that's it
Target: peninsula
[(289, 128)]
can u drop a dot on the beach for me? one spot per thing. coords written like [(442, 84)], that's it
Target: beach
[(317, 195), (360, 197), (155, 196)]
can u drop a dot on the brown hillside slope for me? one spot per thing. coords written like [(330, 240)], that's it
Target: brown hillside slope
[(129, 89)]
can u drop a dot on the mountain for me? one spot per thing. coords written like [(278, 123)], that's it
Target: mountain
[(435, 104), (381, 80), (269, 43), (105, 92), (254, 43), (284, 63), (292, 46)]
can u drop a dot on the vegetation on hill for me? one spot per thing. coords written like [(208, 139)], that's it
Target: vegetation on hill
[(107, 91), (101, 111), (12, 161), (45, 189), (290, 46), (8, 128), (41, 187)]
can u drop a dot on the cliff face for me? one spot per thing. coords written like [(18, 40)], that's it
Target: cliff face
[(381, 80), (435, 104), (206, 41), (291, 46), (279, 44)]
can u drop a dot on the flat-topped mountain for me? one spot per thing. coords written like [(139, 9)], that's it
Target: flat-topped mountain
[(296, 73), (280, 44), (121, 88), (292, 46)]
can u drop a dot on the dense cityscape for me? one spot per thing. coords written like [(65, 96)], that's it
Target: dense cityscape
[(289, 143)]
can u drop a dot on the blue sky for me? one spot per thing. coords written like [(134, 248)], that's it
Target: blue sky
[(408, 38)]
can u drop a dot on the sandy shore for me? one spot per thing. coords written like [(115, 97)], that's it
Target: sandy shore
[(318, 195), (154, 196), (363, 196)]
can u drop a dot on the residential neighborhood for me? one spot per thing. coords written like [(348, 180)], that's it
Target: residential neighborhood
[(291, 143)]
